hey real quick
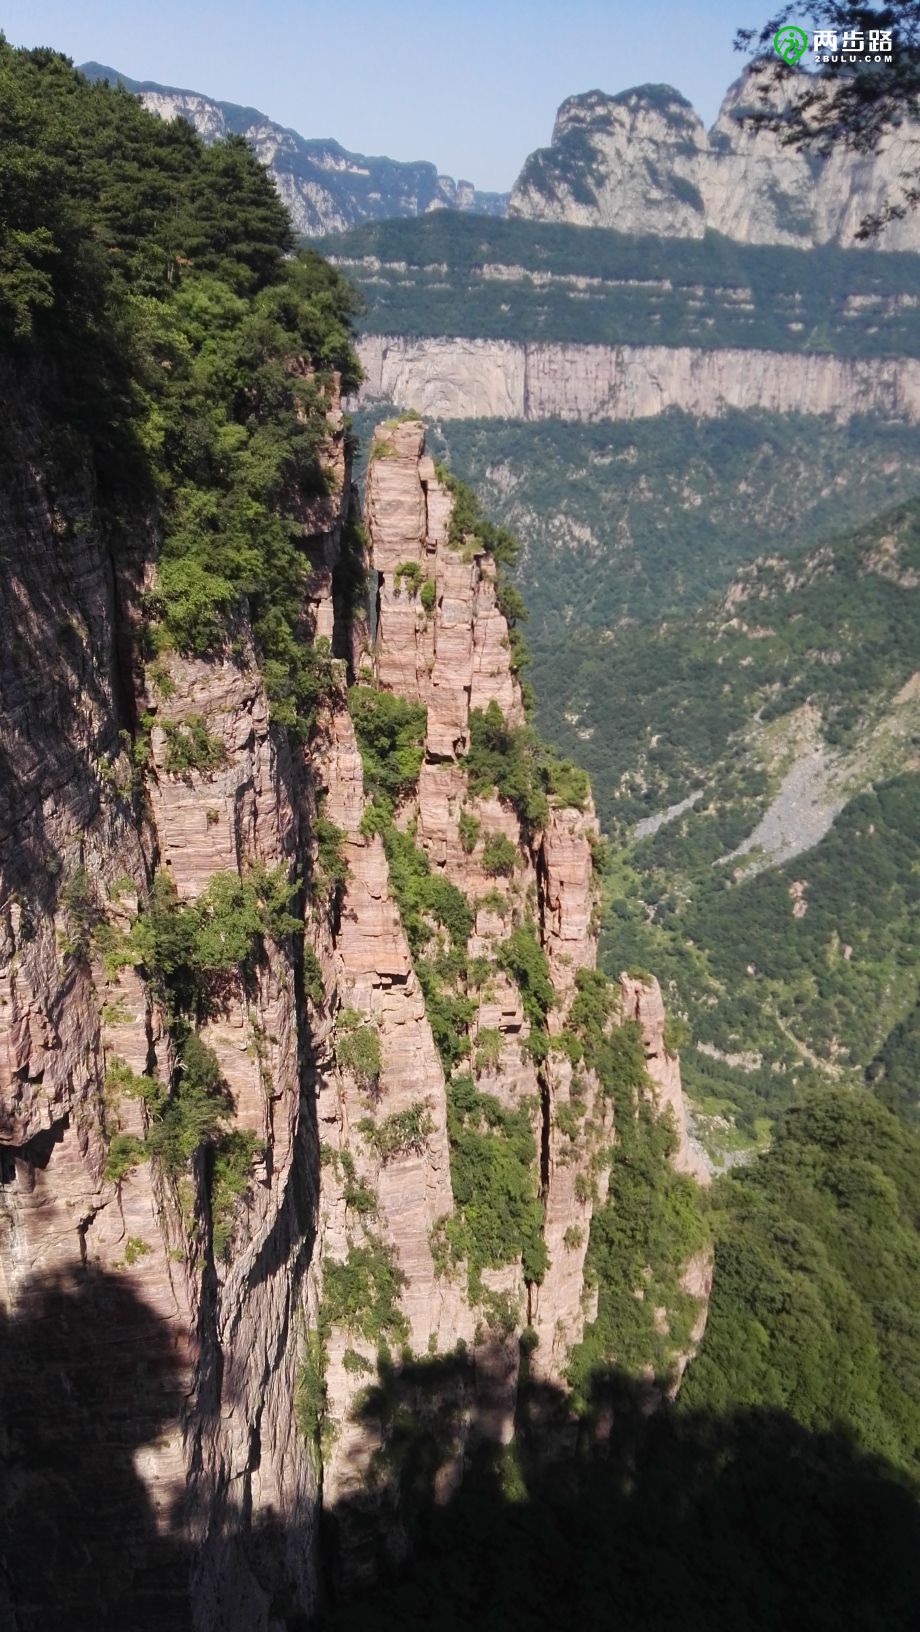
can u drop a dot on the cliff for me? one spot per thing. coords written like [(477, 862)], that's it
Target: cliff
[(642, 162), (324, 186), (169, 1303), (460, 378), (238, 1325), (466, 931), (310, 1093)]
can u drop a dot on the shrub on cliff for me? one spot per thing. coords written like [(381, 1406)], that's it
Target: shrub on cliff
[(125, 1153), (523, 958), (505, 758), (408, 577), (191, 747), (357, 1047), (499, 856), (391, 735), (425, 899), (404, 1133), (434, 910), (233, 1158), (470, 525), (184, 945), (494, 1176), (362, 1293), (331, 865), (196, 1111)]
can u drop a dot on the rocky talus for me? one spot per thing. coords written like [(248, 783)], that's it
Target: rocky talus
[(187, 1382)]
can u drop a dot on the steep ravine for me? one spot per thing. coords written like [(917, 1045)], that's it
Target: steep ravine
[(204, 1362)]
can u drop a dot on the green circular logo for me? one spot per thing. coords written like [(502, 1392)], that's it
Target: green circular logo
[(790, 43)]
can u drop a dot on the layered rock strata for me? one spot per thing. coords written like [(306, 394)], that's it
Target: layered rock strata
[(450, 652), (219, 1391), (214, 1499), (457, 378)]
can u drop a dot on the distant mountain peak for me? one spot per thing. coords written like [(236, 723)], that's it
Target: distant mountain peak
[(642, 161)]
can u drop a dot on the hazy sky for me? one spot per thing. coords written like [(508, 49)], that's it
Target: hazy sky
[(472, 86)]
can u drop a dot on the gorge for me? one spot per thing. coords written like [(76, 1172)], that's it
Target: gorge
[(371, 1254)]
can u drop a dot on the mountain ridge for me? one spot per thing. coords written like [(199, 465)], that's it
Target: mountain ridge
[(640, 160), (326, 187)]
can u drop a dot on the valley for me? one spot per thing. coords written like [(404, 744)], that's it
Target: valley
[(766, 699)]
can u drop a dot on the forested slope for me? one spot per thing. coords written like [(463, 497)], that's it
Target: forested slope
[(447, 274)]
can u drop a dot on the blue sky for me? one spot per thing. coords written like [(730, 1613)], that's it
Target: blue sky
[(471, 86)]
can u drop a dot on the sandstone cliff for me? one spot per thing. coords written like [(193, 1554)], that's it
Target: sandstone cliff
[(237, 1344), (385, 1128), (458, 378), (176, 1352), (642, 162)]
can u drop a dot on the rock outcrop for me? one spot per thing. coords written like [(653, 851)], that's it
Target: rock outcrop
[(642, 1002), (642, 162), (179, 1360), (630, 162), (449, 651), (216, 1350), (326, 188), (501, 379)]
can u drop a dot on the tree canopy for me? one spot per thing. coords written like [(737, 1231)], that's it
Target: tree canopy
[(175, 344)]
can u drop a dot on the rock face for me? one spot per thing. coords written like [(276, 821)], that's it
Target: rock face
[(452, 659), (449, 651), (326, 188), (178, 1407), (501, 379), (630, 162), (146, 1376), (643, 1003), (642, 162)]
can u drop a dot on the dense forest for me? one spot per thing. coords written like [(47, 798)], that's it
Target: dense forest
[(447, 274)]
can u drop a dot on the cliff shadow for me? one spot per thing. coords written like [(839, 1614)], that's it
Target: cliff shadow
[(627, 1518), (88, 1377), (77, 495), (634, 1518), (91, 1380)]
